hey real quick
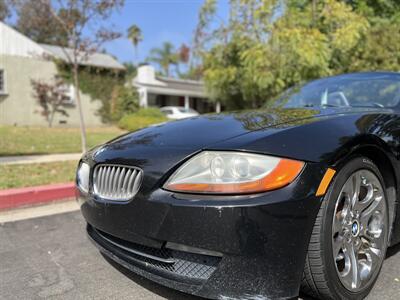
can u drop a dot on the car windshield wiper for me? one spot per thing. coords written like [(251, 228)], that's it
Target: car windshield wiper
[(371, 105), (323, 105)]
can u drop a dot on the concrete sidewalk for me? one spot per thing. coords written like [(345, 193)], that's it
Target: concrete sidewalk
[(33, 159)]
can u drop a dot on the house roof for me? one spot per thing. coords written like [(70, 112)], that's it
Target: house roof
[(96, 59), (15, 43), (147, 79)]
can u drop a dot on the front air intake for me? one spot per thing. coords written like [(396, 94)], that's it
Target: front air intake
[(115, 182)]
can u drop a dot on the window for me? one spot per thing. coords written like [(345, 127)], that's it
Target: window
[(69, 94), (66, 90), (2, 82)]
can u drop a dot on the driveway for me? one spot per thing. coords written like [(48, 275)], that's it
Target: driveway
[(50, 257)]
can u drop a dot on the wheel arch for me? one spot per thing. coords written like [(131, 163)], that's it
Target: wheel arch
[(381, 157)]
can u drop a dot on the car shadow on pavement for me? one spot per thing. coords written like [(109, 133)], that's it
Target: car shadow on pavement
[(151, 286), (392, 251)]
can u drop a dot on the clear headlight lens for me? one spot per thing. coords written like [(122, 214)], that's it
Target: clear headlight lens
[(223, 172), (82, 176)]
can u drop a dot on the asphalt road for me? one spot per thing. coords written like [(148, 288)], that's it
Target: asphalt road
[(50, 257)]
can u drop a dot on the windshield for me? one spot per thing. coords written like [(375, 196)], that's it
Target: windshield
[(352, 90)]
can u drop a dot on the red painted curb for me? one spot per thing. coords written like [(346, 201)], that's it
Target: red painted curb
[(13, 198)]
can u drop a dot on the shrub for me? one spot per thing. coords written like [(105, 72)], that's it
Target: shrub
[(142, 118), (124, 101)]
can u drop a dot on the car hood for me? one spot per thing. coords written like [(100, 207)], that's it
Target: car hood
[(206, 130)]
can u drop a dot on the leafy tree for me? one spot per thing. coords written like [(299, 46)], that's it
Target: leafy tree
[(5, 10), (183, 57), (380, 50), (164, 57), (374, 10), (267, 46), (81, 23), (131, 71), (184, 54), (51, 98), (135, 35), (202, 34), (36, 22)]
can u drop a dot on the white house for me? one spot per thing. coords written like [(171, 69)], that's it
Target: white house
[(23, 60), (166, 91)]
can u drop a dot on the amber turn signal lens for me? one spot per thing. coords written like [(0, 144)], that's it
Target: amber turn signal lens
[(326, 180)]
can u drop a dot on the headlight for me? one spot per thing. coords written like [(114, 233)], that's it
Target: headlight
[(82, 177), (222, 172)]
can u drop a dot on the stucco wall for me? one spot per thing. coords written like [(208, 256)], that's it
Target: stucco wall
[(19, 107)]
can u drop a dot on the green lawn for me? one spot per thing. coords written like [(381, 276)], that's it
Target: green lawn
[(13, 176), (38, 140)]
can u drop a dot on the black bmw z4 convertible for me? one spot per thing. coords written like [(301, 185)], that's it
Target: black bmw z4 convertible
[(300, 196)]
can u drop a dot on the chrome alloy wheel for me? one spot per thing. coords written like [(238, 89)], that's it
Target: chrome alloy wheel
[(359, 230)]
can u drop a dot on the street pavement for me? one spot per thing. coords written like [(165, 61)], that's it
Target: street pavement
[(50, 257)]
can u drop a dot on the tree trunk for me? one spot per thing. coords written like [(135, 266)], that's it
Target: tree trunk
[(167, 71), (314, 12), (51, 117), (79, 104)]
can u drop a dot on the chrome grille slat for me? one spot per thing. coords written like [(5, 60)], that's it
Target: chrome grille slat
[(137, 181), (106, 185), (100, 175), (127, 176), (115, 188), (103, 180), (131, 178), (121, 176), (116, 182), (109, 184)]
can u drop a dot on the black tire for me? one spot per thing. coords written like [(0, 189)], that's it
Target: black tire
[(320, 277)]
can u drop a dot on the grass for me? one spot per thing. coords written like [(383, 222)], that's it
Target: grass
[(39, 140), (14, 176), (142, 118)]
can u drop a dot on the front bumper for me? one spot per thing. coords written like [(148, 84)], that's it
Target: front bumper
[(248, 247)]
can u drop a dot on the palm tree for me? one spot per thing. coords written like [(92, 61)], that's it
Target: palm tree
[(135, 35), (164, 56)]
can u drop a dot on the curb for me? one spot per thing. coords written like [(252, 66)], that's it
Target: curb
[(13, 198)]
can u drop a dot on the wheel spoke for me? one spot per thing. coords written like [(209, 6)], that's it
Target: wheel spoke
[(350, 188), (362, 204), (372, 211), (337, 245), (365, 268), (337, 226), (356, 281), (373, 256), (375, 253), (356, 184), (373, 206)]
